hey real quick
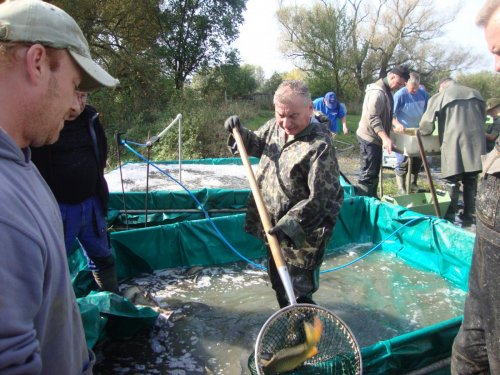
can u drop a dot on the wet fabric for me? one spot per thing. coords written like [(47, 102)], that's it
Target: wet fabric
[(300, 186), (476, 349)]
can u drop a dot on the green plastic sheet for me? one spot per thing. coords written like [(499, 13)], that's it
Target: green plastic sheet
[(186, 239)]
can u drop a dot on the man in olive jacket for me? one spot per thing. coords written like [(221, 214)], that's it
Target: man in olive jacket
[(298, 177), (460, 114)]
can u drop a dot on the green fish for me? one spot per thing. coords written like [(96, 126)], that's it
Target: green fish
[(289, 359)]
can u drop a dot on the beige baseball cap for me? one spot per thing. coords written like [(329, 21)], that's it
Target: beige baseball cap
[(492, 103), (35, 21)]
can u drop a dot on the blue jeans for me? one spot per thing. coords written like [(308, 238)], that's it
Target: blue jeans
[(402, 164), (85, 222)]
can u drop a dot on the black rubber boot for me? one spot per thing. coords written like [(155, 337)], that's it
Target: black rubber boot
[(105, 273), (454, 192), (469, 195)]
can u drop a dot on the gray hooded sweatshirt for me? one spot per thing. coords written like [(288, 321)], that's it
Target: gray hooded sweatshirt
[(377, 113), (41, 330)]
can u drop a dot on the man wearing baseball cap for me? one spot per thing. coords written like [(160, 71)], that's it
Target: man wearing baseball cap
[(331, 107), (375, 126), (44, 59)]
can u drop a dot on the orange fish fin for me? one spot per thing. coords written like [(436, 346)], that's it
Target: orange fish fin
[(312, 352)]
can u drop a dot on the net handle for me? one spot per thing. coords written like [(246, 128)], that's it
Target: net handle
[(265, 219)]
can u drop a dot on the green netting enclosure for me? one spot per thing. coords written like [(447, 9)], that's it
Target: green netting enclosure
[(177, 233)]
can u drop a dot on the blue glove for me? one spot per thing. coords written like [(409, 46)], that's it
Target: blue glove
[(231, 123)]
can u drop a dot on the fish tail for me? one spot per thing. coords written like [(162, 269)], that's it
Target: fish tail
[(312, 352), (313, 332)]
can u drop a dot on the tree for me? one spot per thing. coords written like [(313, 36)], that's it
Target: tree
[(229, 80), (486, 82), (271, 84), (193, 34), (316, 38), (356, 41)]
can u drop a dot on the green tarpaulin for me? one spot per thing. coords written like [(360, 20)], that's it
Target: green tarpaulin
[(176, 236)]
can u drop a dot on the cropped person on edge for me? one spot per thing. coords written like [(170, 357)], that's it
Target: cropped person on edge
[(44, 59), (330, 106), (476, 349), (493, 130), (410, 103), (375, 126), (298, 176), (74, 170), (460, 113)]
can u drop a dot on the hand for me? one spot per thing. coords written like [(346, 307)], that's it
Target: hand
[(387, 144), (399, 129), (280, 235), (345, 129), (231, 123)]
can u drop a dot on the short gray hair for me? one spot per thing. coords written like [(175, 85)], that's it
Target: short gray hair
[(414, 78), (488, 9), (289, 89), (445, 82)]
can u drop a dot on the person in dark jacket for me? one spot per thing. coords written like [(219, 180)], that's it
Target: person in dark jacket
[(460, 112), (476, 348), (74, 170)]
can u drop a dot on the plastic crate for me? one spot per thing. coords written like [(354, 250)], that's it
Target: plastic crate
[(421, 202)]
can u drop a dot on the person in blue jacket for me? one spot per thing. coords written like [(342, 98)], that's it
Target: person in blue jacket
[(410, 103), (330, 106)]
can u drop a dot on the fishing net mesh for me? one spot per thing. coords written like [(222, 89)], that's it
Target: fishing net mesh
[(338, 350)]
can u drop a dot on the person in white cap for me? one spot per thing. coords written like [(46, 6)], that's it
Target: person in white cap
[(44, 59)]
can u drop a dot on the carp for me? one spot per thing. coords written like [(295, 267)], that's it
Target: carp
[(288, 359)]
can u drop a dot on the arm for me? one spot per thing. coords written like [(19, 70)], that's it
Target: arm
[(343, 118), (22, 262), (345, 129), (426, 126), (387, 143), (397, 126)]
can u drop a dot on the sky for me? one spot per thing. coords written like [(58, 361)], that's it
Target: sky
[(258, 40)]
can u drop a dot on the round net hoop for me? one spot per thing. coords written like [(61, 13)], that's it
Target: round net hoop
[(338, 350)]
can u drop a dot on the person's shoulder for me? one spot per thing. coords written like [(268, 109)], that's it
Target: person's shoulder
[(402, 92), (377, 86), (318, 101)]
